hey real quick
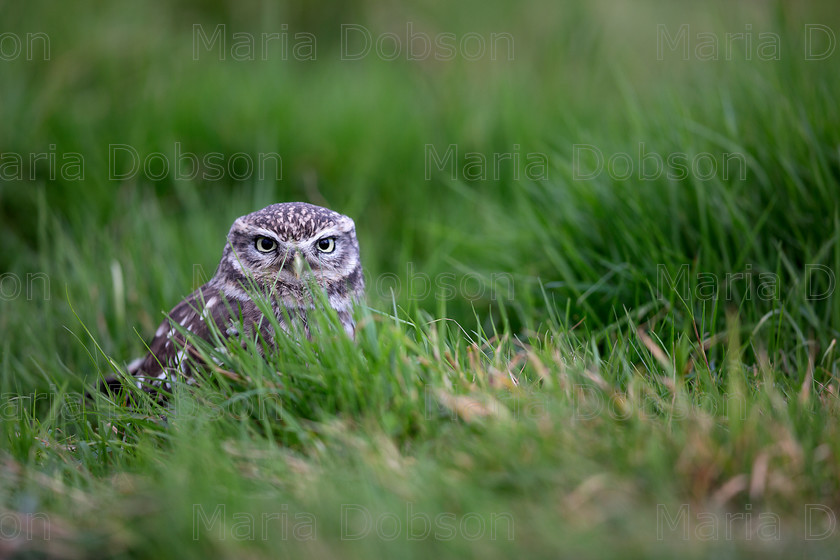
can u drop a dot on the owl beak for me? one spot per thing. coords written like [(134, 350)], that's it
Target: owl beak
[(298, 265)]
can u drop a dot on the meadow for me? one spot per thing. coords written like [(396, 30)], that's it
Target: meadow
[(601, 243)]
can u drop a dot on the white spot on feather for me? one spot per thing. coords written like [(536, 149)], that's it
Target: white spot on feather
[(181, 360), (134, 365)]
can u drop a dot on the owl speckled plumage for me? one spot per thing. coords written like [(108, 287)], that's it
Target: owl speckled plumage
[(278, 250)]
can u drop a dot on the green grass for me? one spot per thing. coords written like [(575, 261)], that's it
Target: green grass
[(552, 395)]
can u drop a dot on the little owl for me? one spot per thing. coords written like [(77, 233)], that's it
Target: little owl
[(278, 251)]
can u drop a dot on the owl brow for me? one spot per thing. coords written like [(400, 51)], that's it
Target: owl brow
[(262, 232), (333, 231)]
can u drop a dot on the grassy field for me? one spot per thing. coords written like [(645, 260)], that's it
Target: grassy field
[(600, 242)]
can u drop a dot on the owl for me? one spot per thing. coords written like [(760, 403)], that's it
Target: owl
[(279, 251)]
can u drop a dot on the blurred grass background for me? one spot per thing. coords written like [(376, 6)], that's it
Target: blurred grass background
[(583, 255)]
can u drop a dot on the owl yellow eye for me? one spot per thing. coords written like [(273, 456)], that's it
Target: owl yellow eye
[(326, 245), (265, 244)]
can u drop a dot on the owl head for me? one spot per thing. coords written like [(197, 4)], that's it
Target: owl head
[(287, 245)]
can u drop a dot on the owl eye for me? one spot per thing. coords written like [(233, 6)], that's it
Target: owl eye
[(265, 244), (326, 245)]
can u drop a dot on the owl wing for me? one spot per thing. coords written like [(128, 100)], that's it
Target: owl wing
[(170, 353)]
